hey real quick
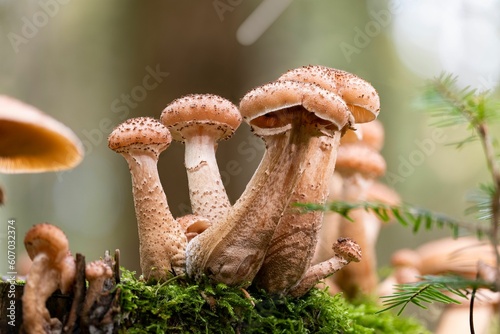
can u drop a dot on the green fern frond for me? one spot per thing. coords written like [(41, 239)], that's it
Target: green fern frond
[(416, 218), (431, 289)]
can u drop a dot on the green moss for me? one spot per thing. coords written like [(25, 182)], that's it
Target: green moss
[(180, 306)]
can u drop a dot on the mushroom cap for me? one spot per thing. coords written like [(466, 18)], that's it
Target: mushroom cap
[(371, 134), (140, 133), (268, 108), (193, 223), (97, 270), (197, 113), (347, 249), (361, 98), (33, 142), (358, 158), (48, 239)]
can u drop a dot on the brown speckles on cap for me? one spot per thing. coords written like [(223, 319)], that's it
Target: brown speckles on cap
[(215, 113)]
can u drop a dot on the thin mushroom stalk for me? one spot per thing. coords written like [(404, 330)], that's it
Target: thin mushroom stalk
[(161, 239), (200, 121), (284, 115)]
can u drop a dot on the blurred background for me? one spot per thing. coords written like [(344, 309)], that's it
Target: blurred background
[(85, 63)]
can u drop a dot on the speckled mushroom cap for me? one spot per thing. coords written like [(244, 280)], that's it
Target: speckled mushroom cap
[(357, 158), (34, 142), (371, 134), (361, 98), (268, 108), (187, 113), (141, 133), (48, 239)]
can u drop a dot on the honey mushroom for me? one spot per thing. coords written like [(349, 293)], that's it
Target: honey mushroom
[(53, 268), (200, 121), (292, 248), (288, 116), (161, 240)]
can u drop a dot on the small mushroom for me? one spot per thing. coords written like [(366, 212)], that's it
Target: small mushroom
[(96, 273), (193, 225), (293, 245), (161, 240), (33, 142), (289, 116), (53, 267), (200, 121), (346, 251), (359, 165)]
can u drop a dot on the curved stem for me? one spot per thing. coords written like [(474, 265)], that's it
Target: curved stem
[(161, 240), (294, 241)]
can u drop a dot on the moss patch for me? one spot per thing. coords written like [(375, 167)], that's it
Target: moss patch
[(180, 306)]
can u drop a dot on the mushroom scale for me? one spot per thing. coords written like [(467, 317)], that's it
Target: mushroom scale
[(161, 239)]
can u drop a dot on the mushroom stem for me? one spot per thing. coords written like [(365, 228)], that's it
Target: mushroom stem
[(161, 240), (292, 247), (206, 190), (244, 235), (41, 283)]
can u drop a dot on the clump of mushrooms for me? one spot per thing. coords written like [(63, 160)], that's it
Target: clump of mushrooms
[(301, 118), (53, 268)]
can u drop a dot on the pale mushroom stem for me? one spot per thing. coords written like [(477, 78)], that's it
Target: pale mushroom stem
[(232, 252), (43, 280), (161, 241), (206, 190), (293, 244)]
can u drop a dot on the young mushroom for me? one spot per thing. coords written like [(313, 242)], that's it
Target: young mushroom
[(200, 121), (161, 240), (291, 250), (96, 273), (33, 142), (359, 166), (289, 116), (53, 268)]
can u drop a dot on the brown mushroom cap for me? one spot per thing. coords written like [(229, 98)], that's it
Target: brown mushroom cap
[(142, 134), (361, 98), (357, 158), (268, 108), (347, 249), (191, 111), (379, 192), (33, 142), (48, 239)]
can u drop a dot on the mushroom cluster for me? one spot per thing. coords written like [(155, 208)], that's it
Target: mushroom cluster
[(261, 239)]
